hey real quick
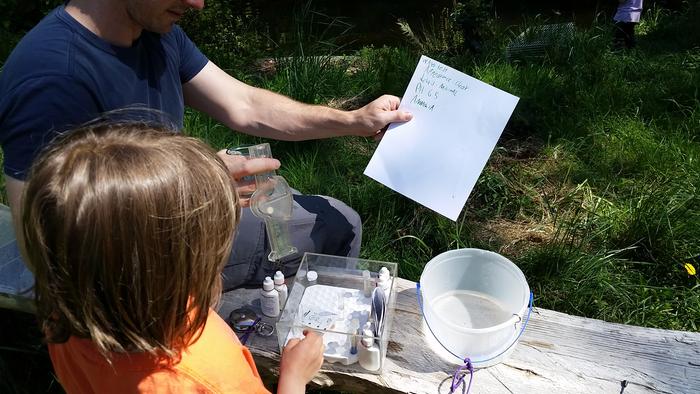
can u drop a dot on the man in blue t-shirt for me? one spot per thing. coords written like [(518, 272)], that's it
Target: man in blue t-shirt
[(90, 57)]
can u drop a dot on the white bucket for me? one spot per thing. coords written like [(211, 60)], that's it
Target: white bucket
[(475, 303)]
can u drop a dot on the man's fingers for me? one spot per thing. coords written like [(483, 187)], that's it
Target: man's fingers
[(398, 116), (245, 188), (393, 101), (244, 202), (239, 166), (257, 166), (404, 116)]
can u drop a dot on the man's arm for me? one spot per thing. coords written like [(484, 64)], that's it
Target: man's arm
[(266, 114)]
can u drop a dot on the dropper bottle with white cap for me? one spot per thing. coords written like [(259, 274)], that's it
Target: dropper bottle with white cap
[(281, 287), (368, 352), (311, 277), (384, 280), (269, 298)]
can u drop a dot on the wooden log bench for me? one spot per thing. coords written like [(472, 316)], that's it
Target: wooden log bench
[(558, 353)]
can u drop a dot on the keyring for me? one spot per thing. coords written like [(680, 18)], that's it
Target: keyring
[(264, 329), (245, 321)]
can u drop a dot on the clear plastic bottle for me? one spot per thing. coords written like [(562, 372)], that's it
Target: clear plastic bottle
[(281, 288), (269, 298), (355, 333), (367, 284)]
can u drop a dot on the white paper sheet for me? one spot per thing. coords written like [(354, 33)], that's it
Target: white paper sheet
[(436, 158)]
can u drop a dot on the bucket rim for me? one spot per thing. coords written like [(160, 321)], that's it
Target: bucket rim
[(448, 253)]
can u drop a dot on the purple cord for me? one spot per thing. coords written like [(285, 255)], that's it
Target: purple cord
[(458, 377), (244, 338)]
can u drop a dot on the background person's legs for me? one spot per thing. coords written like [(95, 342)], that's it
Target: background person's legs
[(319, 225), (623, 35)]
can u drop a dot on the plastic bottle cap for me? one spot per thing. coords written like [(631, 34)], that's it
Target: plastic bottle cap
[(279, 278), (268, 284), (311, 276), (368, 337)]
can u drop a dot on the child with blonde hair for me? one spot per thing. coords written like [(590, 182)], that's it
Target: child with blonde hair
[(127, 228)]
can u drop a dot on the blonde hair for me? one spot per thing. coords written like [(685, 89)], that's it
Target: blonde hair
[(127, 227)]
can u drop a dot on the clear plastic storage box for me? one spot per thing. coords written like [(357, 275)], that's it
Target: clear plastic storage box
[(338, 301)]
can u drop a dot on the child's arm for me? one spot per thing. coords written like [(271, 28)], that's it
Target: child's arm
[(301, 359)]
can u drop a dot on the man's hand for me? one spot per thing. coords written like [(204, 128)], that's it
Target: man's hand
[(377, 115), (301, 359), (242, 169)]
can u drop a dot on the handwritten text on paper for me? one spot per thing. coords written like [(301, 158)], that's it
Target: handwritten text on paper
[(436, 158)]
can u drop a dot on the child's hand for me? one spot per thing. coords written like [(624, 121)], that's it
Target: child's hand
[(301, 359)]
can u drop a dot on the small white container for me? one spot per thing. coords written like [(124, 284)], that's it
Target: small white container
[(369, 354), (311, 277), (269, 298), (281, 288), (474, 304), (384, 280), (367, 283)]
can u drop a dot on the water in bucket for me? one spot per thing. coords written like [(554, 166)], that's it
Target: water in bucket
[(471, 309)]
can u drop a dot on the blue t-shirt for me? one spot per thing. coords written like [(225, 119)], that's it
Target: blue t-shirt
[(61, 75)]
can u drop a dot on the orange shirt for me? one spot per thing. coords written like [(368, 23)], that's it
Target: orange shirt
[(216, 363)]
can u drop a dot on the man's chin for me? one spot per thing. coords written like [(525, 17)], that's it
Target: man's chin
[(162, 29)]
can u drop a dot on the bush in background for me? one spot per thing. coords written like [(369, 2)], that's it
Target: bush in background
[(17, 17), (228, 32)]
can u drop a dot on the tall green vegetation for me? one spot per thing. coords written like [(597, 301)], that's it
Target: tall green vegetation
[(17, 17), (229, 32)]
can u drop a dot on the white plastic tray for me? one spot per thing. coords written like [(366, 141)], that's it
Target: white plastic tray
[(330, 310)]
